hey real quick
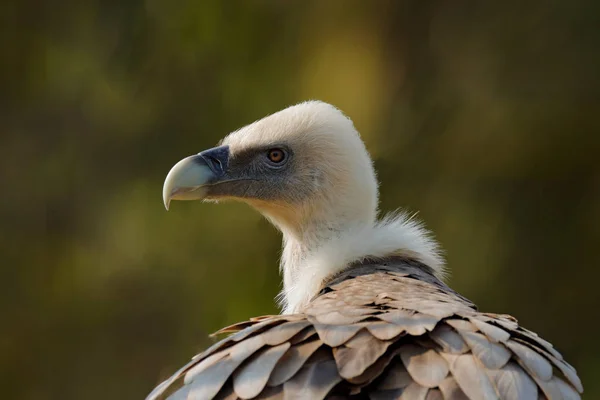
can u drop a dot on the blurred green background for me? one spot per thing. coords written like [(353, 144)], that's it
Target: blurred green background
[(484, 116)]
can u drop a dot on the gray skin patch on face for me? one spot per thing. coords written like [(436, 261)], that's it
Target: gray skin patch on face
[(250, 175)]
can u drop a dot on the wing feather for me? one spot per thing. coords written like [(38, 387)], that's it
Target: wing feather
[(336, 335), (251, 378), (291, 362), (397, 377), (494, 333), (313, 381), (471, 377), (492, 355), (450, 389), (425, 366), (358, 354), (384, 331), (531, 360), (449, 340), (514, 383)]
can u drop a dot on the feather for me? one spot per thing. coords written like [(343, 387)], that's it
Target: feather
[(255, 328), (226, 393), (206, 383), (337, 318), (497, 335), (566, 390), (426, 367), (181, 394), (556, 388), (414, 391), (509, 324), (471, 378), (450, 389), (313, 381), (492, 355), (434, 394), (570, 374), (336, 335), (271, 393), (396, 377), (449, 340), (303, 335), (461, 325), (292, 361), (568, 371), (374, 371), (283, 332), (251, 378), (514, 383), (383, 330), (413, 324), (532, 336), (358, 354), (533, 362), (204, 364)]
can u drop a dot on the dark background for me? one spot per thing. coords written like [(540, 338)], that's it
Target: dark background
[(484, 116)]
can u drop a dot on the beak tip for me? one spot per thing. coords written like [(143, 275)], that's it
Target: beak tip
[(187, 180), (166, 196)]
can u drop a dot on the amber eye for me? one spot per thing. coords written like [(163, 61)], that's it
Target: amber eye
[(276, 155)]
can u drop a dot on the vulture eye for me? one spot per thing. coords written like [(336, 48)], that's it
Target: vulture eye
[(276, 156)]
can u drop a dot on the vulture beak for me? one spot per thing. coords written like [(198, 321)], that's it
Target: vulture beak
[(190, 178)]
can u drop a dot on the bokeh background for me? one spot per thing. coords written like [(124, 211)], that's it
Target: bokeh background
[(483, 116)]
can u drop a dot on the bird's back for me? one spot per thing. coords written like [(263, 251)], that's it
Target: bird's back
[(380, 330)]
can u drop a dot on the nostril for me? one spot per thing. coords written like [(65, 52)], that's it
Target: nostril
[(216, 159), (214, 164)]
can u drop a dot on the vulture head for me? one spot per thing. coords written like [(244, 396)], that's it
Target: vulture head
[(306, 169)]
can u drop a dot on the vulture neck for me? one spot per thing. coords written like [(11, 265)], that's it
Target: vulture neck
[(316, 249), (310, 235), (312, 240), (300, 242)]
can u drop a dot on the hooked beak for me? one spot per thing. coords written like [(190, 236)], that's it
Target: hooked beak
[(191, 177)]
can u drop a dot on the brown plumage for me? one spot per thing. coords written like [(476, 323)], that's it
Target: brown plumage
[(379, 330)]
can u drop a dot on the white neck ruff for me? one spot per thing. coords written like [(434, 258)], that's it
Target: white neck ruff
[(395, 234)]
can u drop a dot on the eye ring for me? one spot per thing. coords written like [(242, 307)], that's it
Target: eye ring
[(276, 155)]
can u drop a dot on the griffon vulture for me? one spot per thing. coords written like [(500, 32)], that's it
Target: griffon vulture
[(366, 314)]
